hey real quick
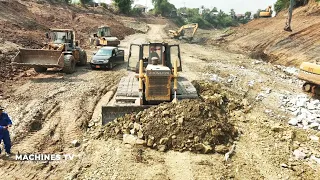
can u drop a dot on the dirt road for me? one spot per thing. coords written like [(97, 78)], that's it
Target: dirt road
[(51, 110)]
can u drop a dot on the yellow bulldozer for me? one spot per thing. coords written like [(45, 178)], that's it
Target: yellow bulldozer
[(103, 37), (60, 51), (266, 13), (181, 33), (153, 79)]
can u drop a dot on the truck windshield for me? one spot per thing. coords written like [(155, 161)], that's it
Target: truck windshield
[(104, 52), (58, 37)]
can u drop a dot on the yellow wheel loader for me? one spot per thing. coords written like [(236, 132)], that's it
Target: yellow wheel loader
[(266, 13), (153, 79), (103, 37), (61, 51), (181, 33), (310, 73)]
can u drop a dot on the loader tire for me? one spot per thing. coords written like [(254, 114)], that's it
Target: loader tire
[(83, 58), (40, 69), (97, 42), (69, 64)]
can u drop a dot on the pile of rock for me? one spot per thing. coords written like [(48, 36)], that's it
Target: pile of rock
[(189, 125), (306, 111)]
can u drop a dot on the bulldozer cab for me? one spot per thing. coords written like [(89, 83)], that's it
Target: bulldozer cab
[(104, 31), (164, 53)]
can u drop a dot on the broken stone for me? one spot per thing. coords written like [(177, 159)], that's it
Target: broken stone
[(267, 111), (314, 125), (136, 126), (311, 106), (163, 141), (150, 141), (245, 102), (293, 122), (129, 139), (305, 122), (133, 131), (116, 130), (140, 134), (180, 121), (75, 143), (251, 83), (268, 91), (221, 149), (203, 148), (299, 154), (313, 157), (284, 165), (314, 138), (165, 113), (260, 96), (173, 137), (196, 139), (276, 128), (140, 142), (162, 148), (199, 147), (301, 102)]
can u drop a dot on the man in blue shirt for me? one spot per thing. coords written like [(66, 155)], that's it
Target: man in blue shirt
[(5, 123)]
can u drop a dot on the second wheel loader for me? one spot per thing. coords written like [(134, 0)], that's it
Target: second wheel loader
[(61, 51), (153, 80)]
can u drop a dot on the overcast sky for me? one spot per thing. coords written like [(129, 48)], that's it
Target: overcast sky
[(240, 6)]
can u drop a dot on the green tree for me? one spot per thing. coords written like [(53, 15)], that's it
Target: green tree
[(233, 13), (124, 6), (83, 2), (248, 15), (163, 7)]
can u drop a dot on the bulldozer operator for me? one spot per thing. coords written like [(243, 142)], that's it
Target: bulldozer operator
[(154, 55)]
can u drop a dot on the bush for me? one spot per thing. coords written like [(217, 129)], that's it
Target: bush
[(104, 5), (178, 21), (136, 12), (201, 22), (124, 6)]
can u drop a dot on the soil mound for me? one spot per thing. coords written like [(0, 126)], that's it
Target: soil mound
[(192, 125)]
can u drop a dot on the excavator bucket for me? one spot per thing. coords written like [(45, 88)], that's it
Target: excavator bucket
[(38, 57), (109, 113)]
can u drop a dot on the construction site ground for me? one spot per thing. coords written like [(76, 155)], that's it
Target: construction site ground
[(52, 109)]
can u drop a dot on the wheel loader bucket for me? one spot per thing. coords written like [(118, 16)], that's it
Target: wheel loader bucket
[(109, 113), (38, 57)]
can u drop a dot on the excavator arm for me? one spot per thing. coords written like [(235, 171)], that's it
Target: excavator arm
[(288, 23)]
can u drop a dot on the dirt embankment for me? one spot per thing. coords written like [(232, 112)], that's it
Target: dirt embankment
[(25, 22), (266, 39)]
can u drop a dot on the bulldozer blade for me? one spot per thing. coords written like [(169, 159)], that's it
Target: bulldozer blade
[(38, 57), (109, 113)]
